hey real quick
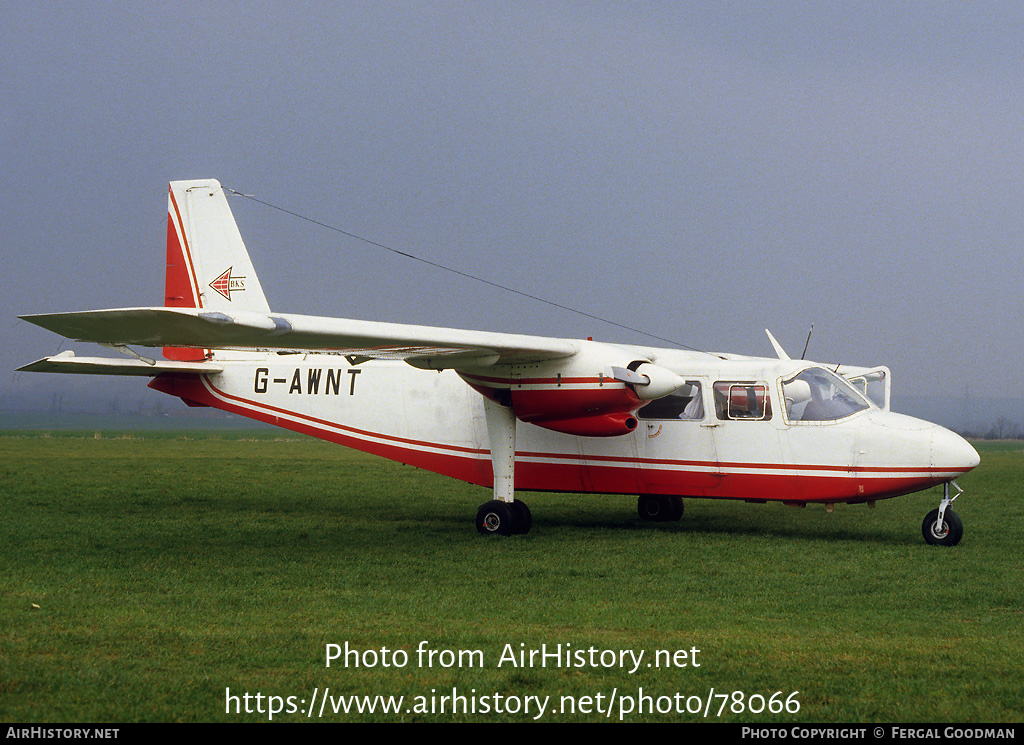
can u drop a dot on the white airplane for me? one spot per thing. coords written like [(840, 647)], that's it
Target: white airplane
[(517, 412)]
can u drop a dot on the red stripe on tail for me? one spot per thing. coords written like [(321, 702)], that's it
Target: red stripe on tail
[(178, 286)]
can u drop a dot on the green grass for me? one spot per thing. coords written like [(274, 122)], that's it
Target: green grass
[(142, 575)]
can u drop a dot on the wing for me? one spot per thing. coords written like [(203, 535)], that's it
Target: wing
[(421, 346)]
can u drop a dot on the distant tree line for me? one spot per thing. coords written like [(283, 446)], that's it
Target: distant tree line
[(1003, 429)]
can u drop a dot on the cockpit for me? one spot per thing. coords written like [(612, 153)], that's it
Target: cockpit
[(819, 395)]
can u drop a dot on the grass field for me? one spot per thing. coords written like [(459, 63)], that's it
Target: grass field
[(143, 576)]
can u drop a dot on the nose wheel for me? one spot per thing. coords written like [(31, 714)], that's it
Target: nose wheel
[(942, 526)]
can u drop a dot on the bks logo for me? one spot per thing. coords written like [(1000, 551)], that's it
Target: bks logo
[(225, 284)]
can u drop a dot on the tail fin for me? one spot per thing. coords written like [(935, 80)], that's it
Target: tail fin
[(207, 263)]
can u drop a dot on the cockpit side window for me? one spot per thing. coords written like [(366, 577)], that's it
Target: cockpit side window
[(685, 403), (742, 401), (872, 385), (817, 395)]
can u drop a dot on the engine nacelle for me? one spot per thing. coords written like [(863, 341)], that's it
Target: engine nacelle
[(595, 412), (588, 394)]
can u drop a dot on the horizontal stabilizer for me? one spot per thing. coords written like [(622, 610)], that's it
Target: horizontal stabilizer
[(422, 346), (67, 362)]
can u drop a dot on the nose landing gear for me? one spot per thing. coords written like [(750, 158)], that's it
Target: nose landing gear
[(942, 526)]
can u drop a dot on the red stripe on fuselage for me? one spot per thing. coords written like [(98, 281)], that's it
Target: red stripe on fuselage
[(592, 473), (457, 462)]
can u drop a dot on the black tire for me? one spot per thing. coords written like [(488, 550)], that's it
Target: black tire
[(948, 534), (496, 518), (523, 520), (677, 508), (655, 508)]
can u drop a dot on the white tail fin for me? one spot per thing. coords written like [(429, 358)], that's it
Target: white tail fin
[(207, 263)]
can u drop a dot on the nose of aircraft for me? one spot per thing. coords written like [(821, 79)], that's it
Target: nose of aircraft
[(950, 450)]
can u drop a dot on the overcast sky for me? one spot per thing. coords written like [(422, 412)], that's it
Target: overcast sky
[(699, 172)]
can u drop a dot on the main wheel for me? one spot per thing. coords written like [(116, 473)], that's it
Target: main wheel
[(522, 519), (677, 508), (947, 534), (496, 518), (656, 508)]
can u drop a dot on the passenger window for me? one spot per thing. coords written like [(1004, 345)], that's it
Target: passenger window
[(687, 402), (746, 401)]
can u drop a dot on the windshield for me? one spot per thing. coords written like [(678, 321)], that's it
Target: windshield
[(817, 395)]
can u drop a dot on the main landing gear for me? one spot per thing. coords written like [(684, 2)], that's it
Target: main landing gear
[(942, 526), (503, 515)]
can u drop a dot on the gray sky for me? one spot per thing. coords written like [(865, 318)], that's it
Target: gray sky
[(699, 172)]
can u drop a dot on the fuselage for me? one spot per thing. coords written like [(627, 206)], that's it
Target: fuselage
[(741, 428)]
